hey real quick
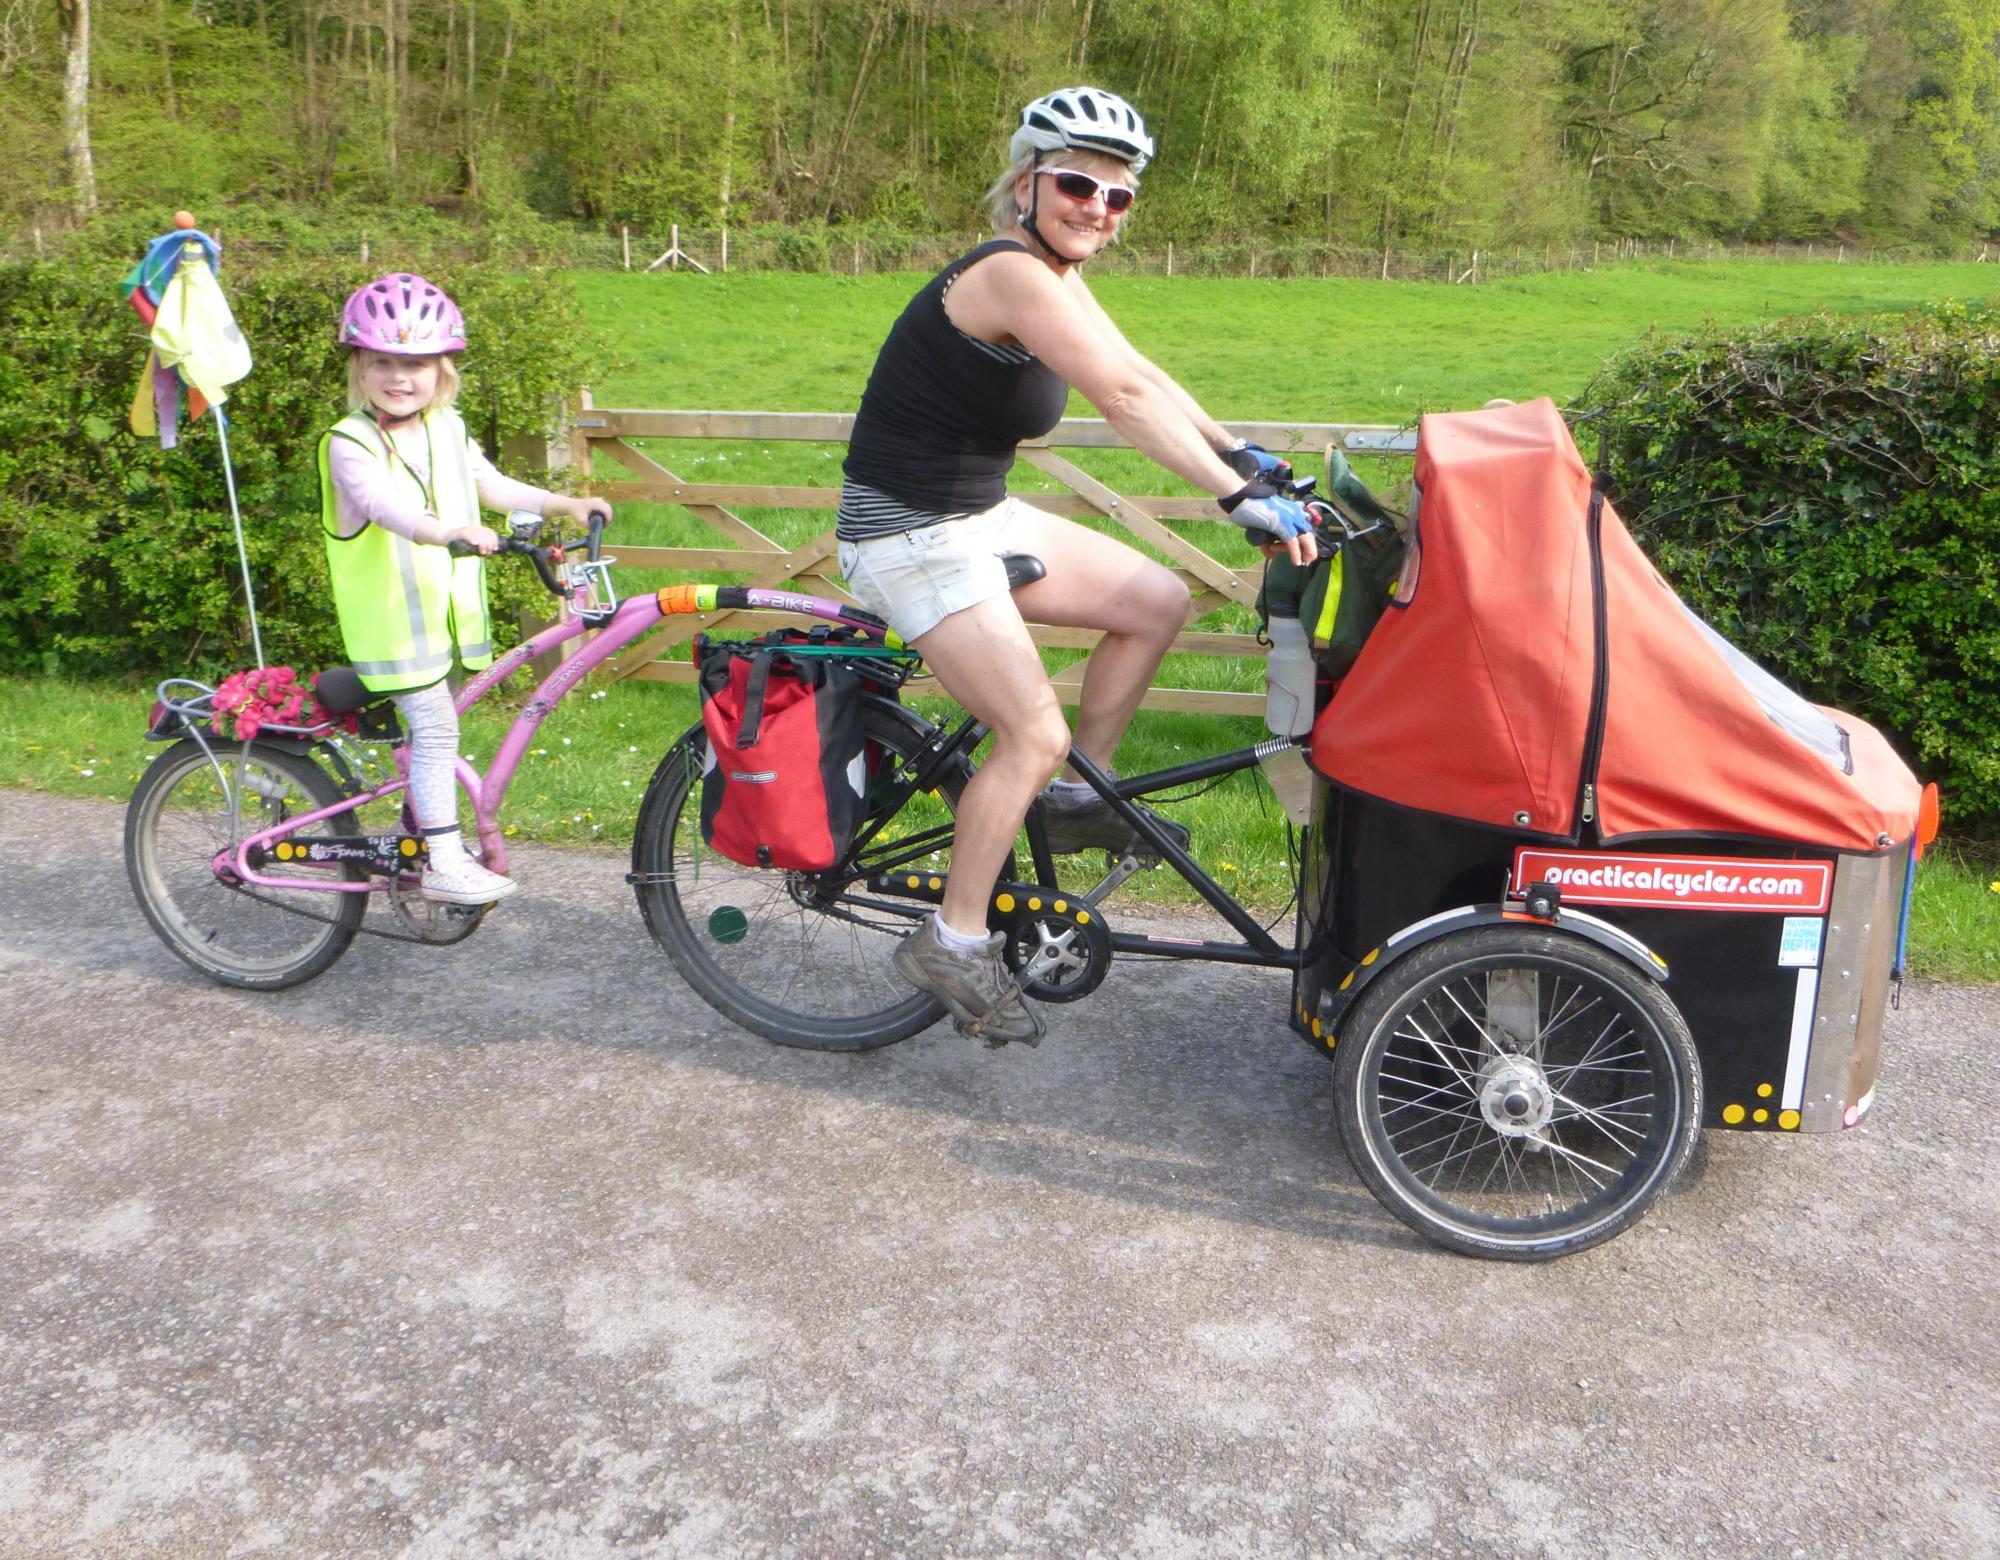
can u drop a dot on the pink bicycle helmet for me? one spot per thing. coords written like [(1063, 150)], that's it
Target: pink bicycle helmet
[(404, 315)]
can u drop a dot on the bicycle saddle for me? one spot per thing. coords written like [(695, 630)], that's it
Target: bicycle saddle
[(340, 690), (1022, 569)]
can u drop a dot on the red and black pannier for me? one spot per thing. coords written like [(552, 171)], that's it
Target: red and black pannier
[(785, 779)]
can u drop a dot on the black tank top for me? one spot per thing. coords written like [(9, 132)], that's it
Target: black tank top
[(942, 413)]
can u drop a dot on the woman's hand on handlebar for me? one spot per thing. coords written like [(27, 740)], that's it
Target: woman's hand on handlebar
[(1303, 549)]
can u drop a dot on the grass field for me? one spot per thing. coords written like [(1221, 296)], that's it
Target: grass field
[(1332, 350), (1338, 350)]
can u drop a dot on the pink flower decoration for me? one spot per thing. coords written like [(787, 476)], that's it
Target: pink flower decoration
[(251, 700)]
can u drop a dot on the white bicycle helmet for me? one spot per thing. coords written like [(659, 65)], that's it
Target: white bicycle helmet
[(1088, 119)]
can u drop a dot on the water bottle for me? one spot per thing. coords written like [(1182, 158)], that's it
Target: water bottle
[(1288, 679)]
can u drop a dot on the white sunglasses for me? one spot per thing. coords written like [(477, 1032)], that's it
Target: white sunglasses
[(1081, 187)]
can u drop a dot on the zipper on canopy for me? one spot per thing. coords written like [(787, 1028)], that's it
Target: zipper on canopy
[(1600, 674)]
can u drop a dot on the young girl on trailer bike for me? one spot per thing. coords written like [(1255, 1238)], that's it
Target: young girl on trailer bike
[(400, 480), (982, 358)]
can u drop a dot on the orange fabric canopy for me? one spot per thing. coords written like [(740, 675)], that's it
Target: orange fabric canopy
[(1474, 696)]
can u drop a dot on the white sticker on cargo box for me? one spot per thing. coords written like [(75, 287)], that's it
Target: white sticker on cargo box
[(1798, 949)]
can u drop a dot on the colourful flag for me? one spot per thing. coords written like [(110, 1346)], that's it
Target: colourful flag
[(195, 341)]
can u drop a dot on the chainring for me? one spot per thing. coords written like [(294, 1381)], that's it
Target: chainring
[(428, 920), (1069, 938)]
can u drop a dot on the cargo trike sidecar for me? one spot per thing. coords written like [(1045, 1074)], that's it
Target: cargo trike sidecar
[(1584, 878)]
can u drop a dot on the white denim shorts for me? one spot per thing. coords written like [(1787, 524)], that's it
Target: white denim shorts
[(917, 579)]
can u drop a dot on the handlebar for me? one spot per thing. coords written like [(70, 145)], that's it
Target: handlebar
[(545, 558)]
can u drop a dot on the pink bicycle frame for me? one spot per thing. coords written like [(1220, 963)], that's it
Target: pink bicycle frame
[(631, 619)]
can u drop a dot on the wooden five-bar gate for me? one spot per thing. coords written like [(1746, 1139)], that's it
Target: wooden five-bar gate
[(813, 567)]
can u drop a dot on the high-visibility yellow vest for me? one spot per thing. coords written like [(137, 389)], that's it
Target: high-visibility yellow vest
[(407, 608)]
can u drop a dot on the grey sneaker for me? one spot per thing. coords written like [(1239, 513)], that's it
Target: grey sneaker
[(975, 986), (1092, 825)]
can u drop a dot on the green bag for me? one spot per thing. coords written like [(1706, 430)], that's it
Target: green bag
[(1339, 599)]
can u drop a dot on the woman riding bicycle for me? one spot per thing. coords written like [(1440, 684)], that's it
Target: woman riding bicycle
[(981, 359)]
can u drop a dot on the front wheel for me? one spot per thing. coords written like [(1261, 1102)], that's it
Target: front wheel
[(191, 808), (1516, 1093), (801, 958)]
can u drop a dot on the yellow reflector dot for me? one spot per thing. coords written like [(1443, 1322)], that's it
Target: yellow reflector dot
[(1034, 904), (1371, 956), (1760, 1115), (1763, 1091), (937, 882), (1061, 906), (1789, 1120), (1318, 1028), (1004, 902), (1732, 1114), (409, 847), (1347, 980), (1082, 917), (914, 880)]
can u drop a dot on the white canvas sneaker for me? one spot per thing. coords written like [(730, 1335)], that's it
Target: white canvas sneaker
[(466, 882)]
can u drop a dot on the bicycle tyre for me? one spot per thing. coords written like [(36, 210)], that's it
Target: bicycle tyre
[(177, 822), (747, 940), (1489, 1156)]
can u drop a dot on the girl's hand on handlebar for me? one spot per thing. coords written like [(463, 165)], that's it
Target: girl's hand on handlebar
[(479, 538), (579, 508)]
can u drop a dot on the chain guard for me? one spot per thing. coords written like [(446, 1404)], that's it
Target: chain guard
[(1072, 932)]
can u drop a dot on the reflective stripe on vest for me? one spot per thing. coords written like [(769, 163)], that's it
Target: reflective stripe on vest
[(405, 605)]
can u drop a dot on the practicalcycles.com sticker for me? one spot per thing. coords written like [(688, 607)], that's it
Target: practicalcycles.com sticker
[(1678, 882)]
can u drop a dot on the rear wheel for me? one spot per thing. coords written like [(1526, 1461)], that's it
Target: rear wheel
[(798, 957), (1516, 1093), (186, 814)]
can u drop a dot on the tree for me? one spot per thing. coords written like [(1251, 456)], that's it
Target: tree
[(75, 18)]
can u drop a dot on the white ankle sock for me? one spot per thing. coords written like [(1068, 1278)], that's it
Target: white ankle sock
[(956, 941), (446, 846)]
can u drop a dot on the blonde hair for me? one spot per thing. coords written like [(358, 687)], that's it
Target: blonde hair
[(447, 390), (1004, 209)]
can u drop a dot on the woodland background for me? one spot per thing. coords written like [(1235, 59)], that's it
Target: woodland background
[(1393, 123)]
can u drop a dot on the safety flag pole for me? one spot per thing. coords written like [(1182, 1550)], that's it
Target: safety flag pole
[(236, 519), (196, 347)]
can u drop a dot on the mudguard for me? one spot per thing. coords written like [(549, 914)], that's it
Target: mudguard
[(1336, 1000)]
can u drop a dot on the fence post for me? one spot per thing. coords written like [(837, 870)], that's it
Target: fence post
[(723, 265), (1170, 257), (1253, 260), (364, 246), (625, 240), (38, 242)]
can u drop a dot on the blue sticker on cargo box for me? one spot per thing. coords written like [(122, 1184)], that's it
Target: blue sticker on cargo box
[(1798, 949)]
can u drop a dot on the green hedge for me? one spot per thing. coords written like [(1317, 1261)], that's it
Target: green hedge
[(1823, 491), (117, 557)]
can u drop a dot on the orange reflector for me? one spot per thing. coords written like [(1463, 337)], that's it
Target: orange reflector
[(1927, 818), (679, 598)]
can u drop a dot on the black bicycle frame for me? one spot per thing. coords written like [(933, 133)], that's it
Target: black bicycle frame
[(946, 746)]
